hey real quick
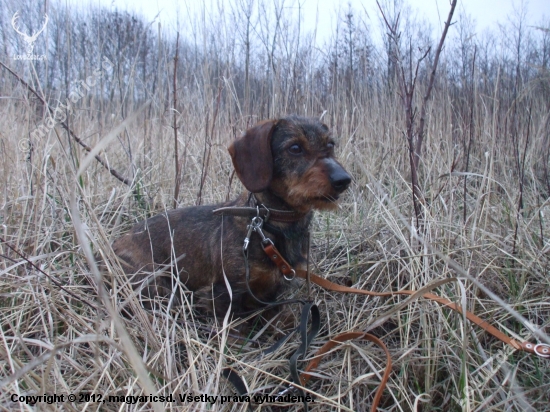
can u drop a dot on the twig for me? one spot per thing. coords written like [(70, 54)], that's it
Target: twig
[(208, 145), (54, 281), (472, 130), (408, 87), (178, 177), (203, 173), (422, 121), (521, 179), (71, 133)]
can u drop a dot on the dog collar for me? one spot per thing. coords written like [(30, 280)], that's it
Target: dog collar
[(284, 216)]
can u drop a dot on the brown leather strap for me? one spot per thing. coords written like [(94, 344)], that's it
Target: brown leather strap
[(284, 216), (343, 337), (541, 350), (278, 259)]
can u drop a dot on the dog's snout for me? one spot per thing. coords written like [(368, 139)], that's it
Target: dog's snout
[(340, 181), (338, 177)]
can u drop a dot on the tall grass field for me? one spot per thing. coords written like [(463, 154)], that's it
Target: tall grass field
[(113, 118)]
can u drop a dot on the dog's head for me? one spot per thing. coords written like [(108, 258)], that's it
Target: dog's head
[(292, 157)]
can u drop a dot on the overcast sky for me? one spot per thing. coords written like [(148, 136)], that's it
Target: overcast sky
[(486, 13)]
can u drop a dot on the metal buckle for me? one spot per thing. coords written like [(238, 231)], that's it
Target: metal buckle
[(255, 226), (266, 218), (545, 351)]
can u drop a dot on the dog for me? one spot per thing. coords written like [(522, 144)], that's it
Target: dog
[(289, 169)]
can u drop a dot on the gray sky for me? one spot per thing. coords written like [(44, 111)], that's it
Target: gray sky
[(486, 13)]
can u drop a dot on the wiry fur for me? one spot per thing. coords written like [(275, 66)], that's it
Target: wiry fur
[(289, 165)]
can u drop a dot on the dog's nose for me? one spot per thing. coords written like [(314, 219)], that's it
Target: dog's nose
[(338, 177), (340, 180)]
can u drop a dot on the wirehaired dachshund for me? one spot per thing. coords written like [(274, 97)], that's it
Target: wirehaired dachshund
[(288, 167)]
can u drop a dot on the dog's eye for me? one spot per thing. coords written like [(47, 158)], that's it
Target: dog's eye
[(330, 145), (295, 149)]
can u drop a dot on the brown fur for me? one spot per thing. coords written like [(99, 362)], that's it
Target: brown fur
[(289, 165)]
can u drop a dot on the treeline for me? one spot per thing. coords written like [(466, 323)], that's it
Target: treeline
[(261, 49), (253, 58)]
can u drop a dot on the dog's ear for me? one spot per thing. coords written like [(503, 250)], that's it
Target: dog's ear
[(252, 157)]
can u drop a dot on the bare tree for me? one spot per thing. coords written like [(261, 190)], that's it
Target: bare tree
[(408, 77)]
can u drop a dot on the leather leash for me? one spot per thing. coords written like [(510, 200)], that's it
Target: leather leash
[(344, 337), (286, 269), (263, 214), (541, 350)]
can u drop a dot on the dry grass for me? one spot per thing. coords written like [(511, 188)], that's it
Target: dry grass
[(73, 339)]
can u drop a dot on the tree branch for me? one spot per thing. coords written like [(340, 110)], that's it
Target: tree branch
[(66, 127), (422, 120)]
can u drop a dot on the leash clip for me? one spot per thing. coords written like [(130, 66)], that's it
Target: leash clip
[(247, 238), (255, 226), (257, 223), (291, 388)]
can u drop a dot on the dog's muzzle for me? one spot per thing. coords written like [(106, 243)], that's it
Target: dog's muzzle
[(337, 175)]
